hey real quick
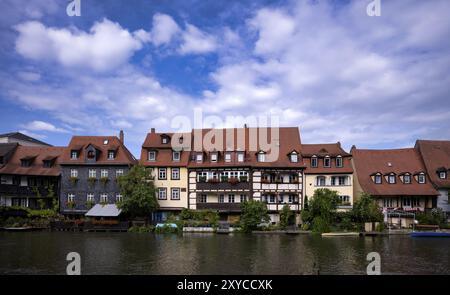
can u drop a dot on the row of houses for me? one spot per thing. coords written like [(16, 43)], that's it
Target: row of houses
[(220, 168)]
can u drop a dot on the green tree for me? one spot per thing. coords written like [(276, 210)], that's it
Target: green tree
[(138, 191), (322, 209), (253, 213), (366, 210), (286, 216)]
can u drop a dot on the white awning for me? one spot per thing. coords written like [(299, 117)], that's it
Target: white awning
[(108, 210)]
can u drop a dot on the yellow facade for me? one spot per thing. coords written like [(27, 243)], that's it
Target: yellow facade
[(182, 184), (310, 185)]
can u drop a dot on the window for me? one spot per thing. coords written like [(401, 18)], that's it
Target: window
[(165, 139), (281, 199), (162, 173), (391, 178), (105, 142), (342, 180), (175, 173), (73, 173), (202, 176), (90, 198), (272, 199), (214, 157), (442, 175), (25, 163), (74, 155), (314, 162), (119, 172), (327, 162), (47, 164), (162, 193), (92, 173), (119, 198), (176, 156), (152, 156), (227, 157), (291, 198), (407, 201), (243, 198), (91, 155), (377, 179), (70, 198), (415, 202), (1, 160), (294, 158), (199, 158), (104, 198), (407, 178), (240, 157), (421, 178), (202, 198), (388, 203), (320, 181), (261, 157), (103, 173), (111, 155), (339, 162), (221, 198), (231, 198), (175, 194)]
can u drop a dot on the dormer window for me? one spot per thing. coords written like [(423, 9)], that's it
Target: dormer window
[(407, 179), (327, 162), (152, 156), (314, 162), (214, 157), (176, 156), (294, 157), (25, 163), (261, 157), (91, 154), (377, 179), (421, 178), (240, 157), (74, 155), (339, 162), (164, 139), (227, 157), (48, 164), (391, 178), (443, 175), (199, 158), (111, 155)]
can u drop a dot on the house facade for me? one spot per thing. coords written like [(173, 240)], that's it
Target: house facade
[(90, 166), (328, 166), (30, 176), (397, 179), (167, 156), (435, 155)]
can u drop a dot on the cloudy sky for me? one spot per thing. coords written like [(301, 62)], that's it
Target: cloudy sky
[(325, 66)]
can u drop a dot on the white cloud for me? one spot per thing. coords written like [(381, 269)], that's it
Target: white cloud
[(78, 49), (43, 126), (164, 29), (195, 41), (34, 135)]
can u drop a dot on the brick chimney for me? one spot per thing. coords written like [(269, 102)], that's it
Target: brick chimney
[(121, 136), (152, 130)]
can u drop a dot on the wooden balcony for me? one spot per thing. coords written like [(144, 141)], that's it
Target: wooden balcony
[(223, 186), (222, 207)]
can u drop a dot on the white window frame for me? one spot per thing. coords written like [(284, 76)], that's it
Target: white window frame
[(104, 173), (177, 192), (203, 198), (261, 157), (162, 193), (176, 158), (240, 157), (162, 173), (152, 156), (231, 198), (70, 197), (104, 198), (73, 173), (243, 198), (228, 157), (294, 158), (318, 181), (176, 172), (214, 157), (314, 162), (442, 175), (119, 198), (221, 198), (378, 176), (165, 140), (391, 178), (407, 178), (119, 172), (90, 197), (199, 158), (327, 158), (111, 155), (339, 162), (92, 173), (421, 178), (73, 155)]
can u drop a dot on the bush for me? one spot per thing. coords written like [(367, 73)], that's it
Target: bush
[(167, 229), (320, 225), (141, 229), (434, 217), (253, 213), (286, 216)]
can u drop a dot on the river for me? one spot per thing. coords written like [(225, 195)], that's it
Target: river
[(134, 253)]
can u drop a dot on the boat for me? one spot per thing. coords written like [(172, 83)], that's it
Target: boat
[(342, 234), (430, 234)]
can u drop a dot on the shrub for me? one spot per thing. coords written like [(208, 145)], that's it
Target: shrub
[(253, 213), (286, 216), (167, 229)]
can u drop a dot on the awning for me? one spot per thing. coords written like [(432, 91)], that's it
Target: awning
[(109, 210)]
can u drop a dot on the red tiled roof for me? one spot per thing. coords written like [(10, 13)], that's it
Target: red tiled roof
[(436, 156), (80, 143), (221, 140), (38, 155), (398, 161), (321, 150)]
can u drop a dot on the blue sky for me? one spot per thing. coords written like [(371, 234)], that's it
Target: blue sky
[(325, 66)]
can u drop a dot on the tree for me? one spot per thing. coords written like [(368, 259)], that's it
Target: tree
[(366, 210), (253, 213), (138, 191), (322, 209), (286, 216)]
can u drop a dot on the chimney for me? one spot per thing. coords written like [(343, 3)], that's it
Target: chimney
[(152, 130), (245, 125), (121, 137)]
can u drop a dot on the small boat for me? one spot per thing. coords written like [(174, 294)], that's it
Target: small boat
[(430, 234), (342, 234)]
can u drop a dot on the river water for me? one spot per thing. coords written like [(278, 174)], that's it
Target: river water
[(134, 253)]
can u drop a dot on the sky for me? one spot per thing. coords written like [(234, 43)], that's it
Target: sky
[(324, 66)]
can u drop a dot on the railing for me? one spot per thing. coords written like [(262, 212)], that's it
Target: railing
[(230, 207), (17, 190), (218, 185)]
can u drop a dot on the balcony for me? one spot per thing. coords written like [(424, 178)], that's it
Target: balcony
[(224, 207), (224, 184), (25, 191)]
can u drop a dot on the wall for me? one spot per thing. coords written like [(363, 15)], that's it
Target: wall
[(169, 183), (310, 186), (442, 201)]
